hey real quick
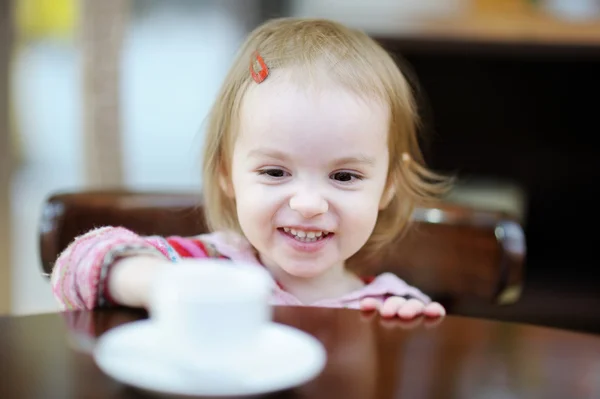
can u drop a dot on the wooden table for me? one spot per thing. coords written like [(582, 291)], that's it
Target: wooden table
[(48, 356)]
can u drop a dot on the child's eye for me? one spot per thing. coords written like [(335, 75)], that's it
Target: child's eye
[(345, 177), (273, 172)]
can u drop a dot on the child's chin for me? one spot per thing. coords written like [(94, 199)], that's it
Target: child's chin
[(307, 271)]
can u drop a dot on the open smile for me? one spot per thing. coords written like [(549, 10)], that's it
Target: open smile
[(305, 240), (305, 235)]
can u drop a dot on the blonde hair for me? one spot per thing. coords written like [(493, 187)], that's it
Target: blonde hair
[(356, 62)]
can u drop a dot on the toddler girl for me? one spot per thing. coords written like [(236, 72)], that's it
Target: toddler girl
[(311, 164)]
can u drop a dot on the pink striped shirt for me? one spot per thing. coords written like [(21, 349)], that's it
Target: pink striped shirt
[(80, 272)]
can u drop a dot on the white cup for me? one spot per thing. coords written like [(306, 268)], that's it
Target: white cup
[(208, 312)]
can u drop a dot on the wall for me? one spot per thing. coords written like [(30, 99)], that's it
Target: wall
[(175, 56)]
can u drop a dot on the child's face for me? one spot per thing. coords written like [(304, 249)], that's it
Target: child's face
[(308, 174)]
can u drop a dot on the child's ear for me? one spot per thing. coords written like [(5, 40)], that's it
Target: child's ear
[(387, 196)]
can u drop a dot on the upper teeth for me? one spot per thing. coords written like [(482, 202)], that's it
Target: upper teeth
[(303, 234)]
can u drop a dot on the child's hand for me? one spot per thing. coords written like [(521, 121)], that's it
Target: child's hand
[(400, 307), (130, 280)]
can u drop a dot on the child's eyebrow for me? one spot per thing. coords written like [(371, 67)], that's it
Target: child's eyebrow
[(358, 159), (269, 153)]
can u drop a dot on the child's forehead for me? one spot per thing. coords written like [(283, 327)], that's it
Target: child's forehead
[(288, 107), (292, 118), (285, 93)]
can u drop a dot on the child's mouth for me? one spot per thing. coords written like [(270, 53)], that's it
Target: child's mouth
[(305, 236)]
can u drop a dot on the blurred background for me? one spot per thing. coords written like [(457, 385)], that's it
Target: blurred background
[(114, 93)]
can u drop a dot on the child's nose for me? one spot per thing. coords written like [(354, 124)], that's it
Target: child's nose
[(309, 204)]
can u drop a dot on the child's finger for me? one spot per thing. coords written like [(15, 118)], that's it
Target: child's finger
[(391, 305), (434, 309), (411, 308), (369, 304)]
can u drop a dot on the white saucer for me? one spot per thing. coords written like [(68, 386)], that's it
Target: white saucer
[(283, 358)]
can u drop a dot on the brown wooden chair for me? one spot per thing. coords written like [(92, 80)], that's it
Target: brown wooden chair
[(451, 252)]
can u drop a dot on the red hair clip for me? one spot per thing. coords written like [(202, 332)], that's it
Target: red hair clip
[(263, 72)]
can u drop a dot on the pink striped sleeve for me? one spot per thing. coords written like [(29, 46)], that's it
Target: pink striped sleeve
[(191, 246), (79, 272)]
